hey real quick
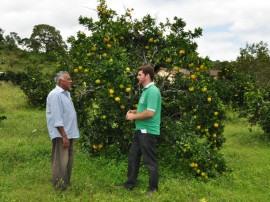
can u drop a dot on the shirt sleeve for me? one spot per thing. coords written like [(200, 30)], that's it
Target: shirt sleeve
[(152, 101), (57, 110)]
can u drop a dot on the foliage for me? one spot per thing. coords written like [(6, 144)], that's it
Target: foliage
[(15, 78), (245, 84), (9, 42), (265, 117), (46, 38), (255, 60), (257, 109), (35, 86), (2, 117), (232, 85), (104, 67)]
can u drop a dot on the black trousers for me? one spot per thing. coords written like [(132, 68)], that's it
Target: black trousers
[(143, 144)]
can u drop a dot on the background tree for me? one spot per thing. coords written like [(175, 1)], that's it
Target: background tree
[(9, 42), (255, 61), (232, 85), (46, 39), (244, 84), (12, 41)]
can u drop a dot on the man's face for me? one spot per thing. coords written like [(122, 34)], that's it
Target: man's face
[(141, 77), (66, 82)]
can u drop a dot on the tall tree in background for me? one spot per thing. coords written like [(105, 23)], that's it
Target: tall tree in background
[(46, 38), (12, 41), (255, 60), (9, 42)]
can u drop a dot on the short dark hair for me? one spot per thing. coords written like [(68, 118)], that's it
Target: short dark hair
[(147, 69)]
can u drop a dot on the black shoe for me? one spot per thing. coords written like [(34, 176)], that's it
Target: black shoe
[(129, 187)]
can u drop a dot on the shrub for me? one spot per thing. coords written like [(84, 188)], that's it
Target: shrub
[(104, 67), (34, 85)]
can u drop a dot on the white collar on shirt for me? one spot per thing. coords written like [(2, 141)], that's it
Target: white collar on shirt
[(149, 84)]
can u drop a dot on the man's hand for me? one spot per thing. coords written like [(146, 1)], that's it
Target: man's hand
[(130, 115), (146, 114), (66, 142), (62, 132)]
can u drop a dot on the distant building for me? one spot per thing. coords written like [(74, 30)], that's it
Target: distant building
[(163, 72)]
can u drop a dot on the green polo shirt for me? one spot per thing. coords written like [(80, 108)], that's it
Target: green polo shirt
[(150, 100)]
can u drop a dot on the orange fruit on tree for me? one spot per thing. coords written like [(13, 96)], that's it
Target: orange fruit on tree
[(107, 39), (94, 48), (191, 89), (117, 99), (204, 89), (127, 69), (100, 146), (121, 86), (169, 60), (193, 76), (111, 91), (181, 52), (128, 89), (176, 68)]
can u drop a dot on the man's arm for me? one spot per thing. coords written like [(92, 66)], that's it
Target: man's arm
[(146, 114), (61, 130)]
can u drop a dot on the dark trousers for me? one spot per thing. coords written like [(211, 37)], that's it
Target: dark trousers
[(143, 145), (62, 161)]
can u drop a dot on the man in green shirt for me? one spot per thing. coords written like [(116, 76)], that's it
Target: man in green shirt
[(147, 120)]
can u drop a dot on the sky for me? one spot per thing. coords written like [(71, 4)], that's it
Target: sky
[(228, 25)]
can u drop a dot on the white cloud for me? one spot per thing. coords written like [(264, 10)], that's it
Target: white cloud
[(228, 24), (219, 45)]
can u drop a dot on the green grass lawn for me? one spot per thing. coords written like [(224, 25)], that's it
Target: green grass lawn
[(25, 150)]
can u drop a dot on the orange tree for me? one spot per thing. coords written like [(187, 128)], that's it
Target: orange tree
[(104, 67)]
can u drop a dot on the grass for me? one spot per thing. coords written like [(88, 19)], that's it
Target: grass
[(25, 150)]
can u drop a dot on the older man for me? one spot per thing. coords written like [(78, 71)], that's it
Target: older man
[(63, 129)]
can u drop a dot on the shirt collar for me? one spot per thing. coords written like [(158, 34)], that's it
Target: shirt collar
[(60, 89), (148, 85)]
